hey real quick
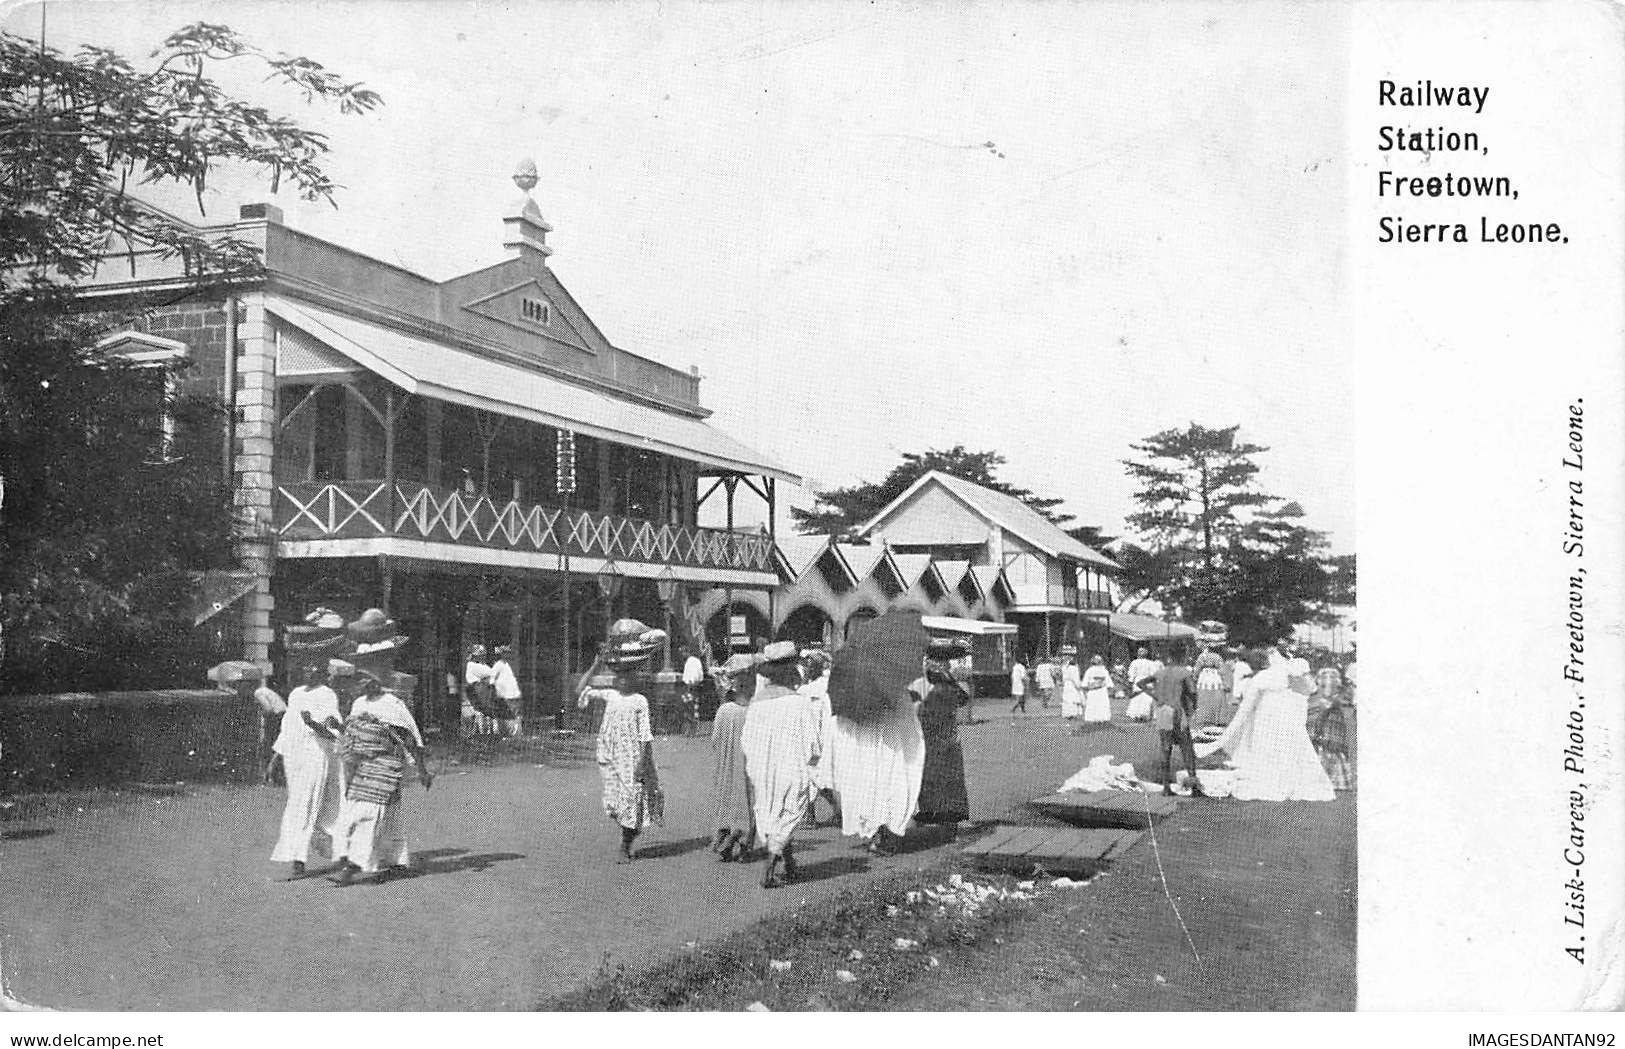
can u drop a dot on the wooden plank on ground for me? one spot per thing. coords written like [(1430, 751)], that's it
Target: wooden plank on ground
[(1051, 853), (1126, 840), (1072, 851), (1105, 808), (1023, 843), (992, 839)]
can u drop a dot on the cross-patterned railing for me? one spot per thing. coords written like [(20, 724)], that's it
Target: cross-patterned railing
[(364, 510)]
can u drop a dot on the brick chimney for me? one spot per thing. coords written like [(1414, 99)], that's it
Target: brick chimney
[(525, 228)]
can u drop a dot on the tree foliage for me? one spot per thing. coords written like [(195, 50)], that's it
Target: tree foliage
[(105, 520), (1215, 545), (78, 132), (840, 510)]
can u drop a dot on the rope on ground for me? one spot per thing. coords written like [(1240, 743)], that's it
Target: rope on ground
[(1151, 825)]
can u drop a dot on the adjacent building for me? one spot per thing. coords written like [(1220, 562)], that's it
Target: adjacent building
[(970, 532)]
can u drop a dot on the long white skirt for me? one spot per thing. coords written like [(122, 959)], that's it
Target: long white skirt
[(310, 817), (1270, 749), (372, 836), (1071, 701), (876, 768), (821, 778), (1097, 705)]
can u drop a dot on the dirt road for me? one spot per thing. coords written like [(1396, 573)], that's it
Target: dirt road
[(168, 903)]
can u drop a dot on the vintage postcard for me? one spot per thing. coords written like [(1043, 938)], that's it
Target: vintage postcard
[(1008, 507)]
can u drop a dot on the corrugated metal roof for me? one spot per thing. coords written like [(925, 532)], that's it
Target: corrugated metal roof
[(447, 373), (1136, 627)]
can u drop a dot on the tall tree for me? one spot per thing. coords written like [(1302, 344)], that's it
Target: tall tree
[(107, 514), (840, 510), (1213, 544)]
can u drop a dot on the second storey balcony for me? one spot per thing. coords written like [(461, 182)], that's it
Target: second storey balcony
[(1038, 597), (408, 519)]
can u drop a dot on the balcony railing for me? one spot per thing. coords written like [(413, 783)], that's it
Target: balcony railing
[(1060, 596), (366, 510)]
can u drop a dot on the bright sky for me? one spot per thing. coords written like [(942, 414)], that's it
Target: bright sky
[(1047, 229)]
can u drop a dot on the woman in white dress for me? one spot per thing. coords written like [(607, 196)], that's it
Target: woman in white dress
[(1097, 693), (815, 664), (306, 748), (1267, 741), (1071, 685)]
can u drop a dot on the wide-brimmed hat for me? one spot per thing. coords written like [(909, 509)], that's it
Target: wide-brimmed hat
[(373, 626), (630, 643), (340, 668), (739, 663), (376, 660), (1069, 650), (780, 652), (947, 648)]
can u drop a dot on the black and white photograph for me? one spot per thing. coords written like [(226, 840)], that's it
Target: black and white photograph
[(808, 507)]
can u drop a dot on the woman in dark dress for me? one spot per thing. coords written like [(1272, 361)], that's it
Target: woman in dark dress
[(943, 798)]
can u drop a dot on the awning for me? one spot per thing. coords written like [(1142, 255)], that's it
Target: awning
[(954, 625), (217, 590), (419, 365), (1135, 627)]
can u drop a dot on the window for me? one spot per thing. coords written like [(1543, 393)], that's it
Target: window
[(153, 384), (536, 311)]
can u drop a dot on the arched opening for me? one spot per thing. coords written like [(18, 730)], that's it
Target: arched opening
[(756, 628), (859, 615), (807, 625)]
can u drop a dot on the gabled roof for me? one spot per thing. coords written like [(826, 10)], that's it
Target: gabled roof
[(868, 559), (1002, 510), (801, 552), (992, 579), (954, 573), (910, 567)]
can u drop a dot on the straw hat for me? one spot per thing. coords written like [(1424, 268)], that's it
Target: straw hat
[(630, 643)]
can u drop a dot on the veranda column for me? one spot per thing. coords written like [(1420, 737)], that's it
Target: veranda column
[(252, 468)]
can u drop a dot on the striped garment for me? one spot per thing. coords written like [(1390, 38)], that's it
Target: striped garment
[(377, 766), (377, 780)]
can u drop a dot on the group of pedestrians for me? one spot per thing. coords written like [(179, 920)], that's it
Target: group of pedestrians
[(780, 742), (492, 702), (346, 740)]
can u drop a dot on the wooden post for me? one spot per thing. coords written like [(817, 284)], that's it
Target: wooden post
[(389, 462), (729, 482)]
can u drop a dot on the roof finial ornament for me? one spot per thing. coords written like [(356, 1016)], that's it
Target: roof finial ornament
[(524, 176), (527, 230)]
